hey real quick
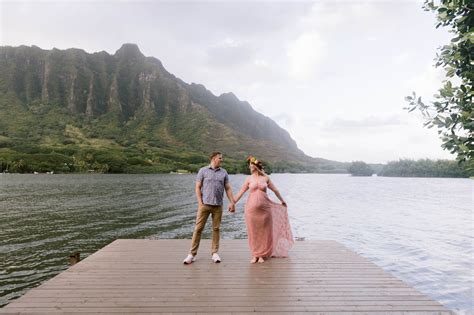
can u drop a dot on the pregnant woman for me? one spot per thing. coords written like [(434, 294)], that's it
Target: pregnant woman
[(268, 227)]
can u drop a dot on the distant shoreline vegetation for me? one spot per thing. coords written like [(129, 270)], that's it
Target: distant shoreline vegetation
[(414, 168), (21, 157), (70, 158)]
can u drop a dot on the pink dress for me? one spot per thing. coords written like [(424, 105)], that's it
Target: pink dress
[(268, 227)]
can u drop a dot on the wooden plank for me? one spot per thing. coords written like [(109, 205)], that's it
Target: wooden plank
[(224, 293), (195, 305), (227, 309), (305, 299)]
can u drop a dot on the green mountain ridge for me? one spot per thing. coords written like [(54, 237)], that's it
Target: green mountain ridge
[(126, 113)]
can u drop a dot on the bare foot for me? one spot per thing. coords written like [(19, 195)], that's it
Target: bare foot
[(254, 260), (261, 260)]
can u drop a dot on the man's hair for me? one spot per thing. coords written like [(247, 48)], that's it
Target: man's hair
[(213, 154)]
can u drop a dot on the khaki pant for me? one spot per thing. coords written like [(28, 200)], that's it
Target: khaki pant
[(201, 219)]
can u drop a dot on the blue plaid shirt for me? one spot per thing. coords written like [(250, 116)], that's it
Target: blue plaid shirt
[(213, 184)]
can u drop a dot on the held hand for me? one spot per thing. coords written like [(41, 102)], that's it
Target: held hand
[(231, 207)]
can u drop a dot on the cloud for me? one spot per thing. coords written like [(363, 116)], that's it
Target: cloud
[(328, 15), (323, 36), (366, 123), (284, 119), (261, 63), (373, 139), (362, 10), (425, 83), (230, 53), (324, 16), (305, 54), (402, 58)]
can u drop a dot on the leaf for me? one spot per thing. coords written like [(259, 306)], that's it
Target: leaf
[(448, 121), (437, 121), (463, 147)]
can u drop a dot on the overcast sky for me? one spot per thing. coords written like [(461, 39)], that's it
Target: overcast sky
[(332, 73)]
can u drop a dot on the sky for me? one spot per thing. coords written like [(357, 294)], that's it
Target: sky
[(334, 74)]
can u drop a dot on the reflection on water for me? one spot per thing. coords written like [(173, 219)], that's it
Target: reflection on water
[(419, 229)]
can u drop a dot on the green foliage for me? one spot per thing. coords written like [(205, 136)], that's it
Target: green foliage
[(425, 168), (28, 158), (243, 167), (452, 110), (28, 163), (292, 167), (359, 168)]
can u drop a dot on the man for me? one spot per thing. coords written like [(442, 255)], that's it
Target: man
[(211, 182)]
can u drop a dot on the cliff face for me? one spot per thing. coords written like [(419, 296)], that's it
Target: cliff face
[(131, 98), (90, 84)]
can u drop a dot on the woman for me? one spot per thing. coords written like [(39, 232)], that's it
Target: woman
[(267, 222)]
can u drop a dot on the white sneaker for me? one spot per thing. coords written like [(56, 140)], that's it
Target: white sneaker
[(189, 259), (216, 258)]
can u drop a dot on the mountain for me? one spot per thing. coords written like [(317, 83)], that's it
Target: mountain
[(57, 105)]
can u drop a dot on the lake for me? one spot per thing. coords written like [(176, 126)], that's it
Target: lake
[(418, 229)]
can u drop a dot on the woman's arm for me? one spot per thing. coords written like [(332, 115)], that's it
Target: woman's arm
[(275, 190), (242, 191)]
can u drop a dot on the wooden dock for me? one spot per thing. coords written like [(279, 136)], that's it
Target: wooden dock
[(148, 276)]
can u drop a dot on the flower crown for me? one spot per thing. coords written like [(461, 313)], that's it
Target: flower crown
[(253, 160)]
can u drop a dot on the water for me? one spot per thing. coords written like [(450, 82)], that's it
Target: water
[(419, 229)]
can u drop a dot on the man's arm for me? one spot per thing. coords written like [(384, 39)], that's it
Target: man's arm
[(199, 193), (230, 196)]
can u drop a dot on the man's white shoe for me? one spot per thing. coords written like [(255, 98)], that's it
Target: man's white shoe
[(189, 259), (216, 258)]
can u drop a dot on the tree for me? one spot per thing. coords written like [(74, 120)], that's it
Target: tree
[(424, 168), (359, 168), (452, 109)]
